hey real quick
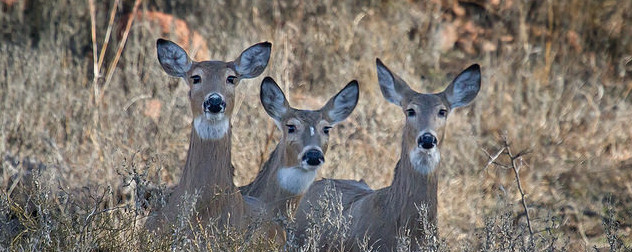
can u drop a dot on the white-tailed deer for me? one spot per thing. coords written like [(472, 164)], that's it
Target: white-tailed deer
[(293, 164), (208, 171), (383, 214)]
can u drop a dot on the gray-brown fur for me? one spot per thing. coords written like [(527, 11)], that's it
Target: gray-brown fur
[(209, 173)]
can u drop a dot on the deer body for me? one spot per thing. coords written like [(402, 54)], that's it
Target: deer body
[(383, 215), (208, 171), (293, 164)]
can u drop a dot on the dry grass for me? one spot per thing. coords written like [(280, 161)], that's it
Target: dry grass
[(557, 81)]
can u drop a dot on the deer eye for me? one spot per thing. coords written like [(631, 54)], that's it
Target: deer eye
[(443, 112), (326, 129), (291, 128), (196, 79), (410, 112), (231, 79)]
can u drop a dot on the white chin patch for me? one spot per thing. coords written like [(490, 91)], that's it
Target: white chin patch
[(295, 180), (425, 161), (210, 126)]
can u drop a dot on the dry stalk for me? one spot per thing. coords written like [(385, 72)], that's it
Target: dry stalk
[(492, 158), (97, 63), (95, 83), (119, 51), (516, 169), (106, 41), (94, 48)]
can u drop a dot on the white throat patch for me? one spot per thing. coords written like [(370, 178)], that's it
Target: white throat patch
[(295, 179), (425, 161), (210, 129)]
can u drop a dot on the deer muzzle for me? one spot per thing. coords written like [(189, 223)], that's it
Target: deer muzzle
[(427, 141), (313, 157), (214, 103)]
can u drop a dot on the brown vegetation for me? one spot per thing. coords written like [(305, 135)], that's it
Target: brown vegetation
[(169, 27), (556, 84)]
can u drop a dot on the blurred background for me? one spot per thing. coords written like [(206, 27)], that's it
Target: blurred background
[(557, 82)]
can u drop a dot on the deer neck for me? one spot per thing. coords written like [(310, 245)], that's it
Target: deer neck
[(410, 190), (208, 173), (208, 166), (268, 188)]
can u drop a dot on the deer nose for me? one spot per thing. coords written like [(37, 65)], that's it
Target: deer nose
[(313, 157), (214, 103), (427, 141)]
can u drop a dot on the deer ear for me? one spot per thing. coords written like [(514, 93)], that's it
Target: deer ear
[(273, 99), (393, 88), (340, 106), (173, 59), (464, 88), (253, 60)]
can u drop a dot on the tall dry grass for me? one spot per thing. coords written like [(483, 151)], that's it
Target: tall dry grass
[(556, 82)]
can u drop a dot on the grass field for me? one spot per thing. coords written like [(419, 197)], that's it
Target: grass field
[(557, 85)]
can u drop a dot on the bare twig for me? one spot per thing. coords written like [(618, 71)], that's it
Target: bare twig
[(516, 169), (95, 85), (522, 153), (106, 40), (93, 29), (119, 51), (492, 158), (501, 165), (86, 224), (134, 100)]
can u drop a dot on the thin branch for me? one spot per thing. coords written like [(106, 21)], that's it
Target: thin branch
[(95, 55), (95, 85), (516, 168), (501, 165), (119, 51), (134, 100), (522, 153), (492, 158), (106, 40)]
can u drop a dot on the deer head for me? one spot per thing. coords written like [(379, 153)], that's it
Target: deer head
[(426, 114), (212, 83), (305, 132)]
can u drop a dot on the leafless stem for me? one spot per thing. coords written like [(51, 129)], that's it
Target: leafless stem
[(492, 158), (95, 82), (106, 40), (93, 29), (516, 169), (119, 51)]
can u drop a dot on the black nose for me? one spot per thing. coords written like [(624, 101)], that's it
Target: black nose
[(314, 157), (214, 103), (427, 141)]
